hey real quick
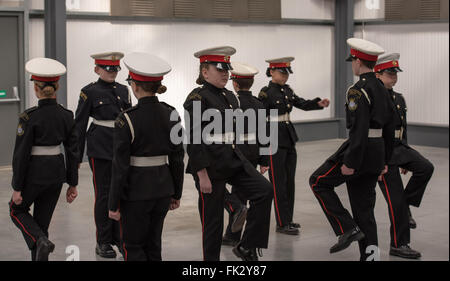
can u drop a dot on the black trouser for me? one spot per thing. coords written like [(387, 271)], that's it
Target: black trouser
[(44, 199), (142, 226), (253, 187), (233, 202), (282, 175), (399, 199), (107, 230), (361, 191), (392, 188)]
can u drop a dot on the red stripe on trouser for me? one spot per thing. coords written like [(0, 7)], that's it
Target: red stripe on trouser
[(23, 227), (95, 199), (123, 243), (203, 224), (274, 189), (231, 207), (391, 210), (323, 204)]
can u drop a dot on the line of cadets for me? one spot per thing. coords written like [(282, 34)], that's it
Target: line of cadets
[(138, 171)]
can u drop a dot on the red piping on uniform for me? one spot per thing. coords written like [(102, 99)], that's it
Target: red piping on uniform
[(23, 227), (231, 207), (323, 204), (123, 243), (203, 224), (392, 211), (95, 200), (274, 189)]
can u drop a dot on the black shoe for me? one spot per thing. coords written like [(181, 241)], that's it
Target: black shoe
[(346, 239), (412, 222), (227, 241), (245, 254), (105, 251), (404, 252), (288, 229), (43, 248), (294, 225), (239, 218)]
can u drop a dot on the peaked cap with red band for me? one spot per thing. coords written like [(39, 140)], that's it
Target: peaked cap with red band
[(242, 70), (144, 67), (109, 58), (388, 62), (218, 56), (363, 49), (45, 70)]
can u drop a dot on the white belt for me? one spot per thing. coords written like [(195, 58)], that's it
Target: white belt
[(280, 118), (399, 134), (221, 138), (104, 123), (375, 133), (46, 150), (151, 161), (247, 137)]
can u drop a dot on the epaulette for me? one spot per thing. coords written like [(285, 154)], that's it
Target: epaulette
[(263, 93), (131, 109), (62, 106), (25, 115), (88, 86), (195, 94), (166, 104), (361, 83)]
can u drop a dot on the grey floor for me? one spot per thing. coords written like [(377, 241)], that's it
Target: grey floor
[(74, 224)]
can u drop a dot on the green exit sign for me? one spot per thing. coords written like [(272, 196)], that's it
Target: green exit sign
[(2, 94)]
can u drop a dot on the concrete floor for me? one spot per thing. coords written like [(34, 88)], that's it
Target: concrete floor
[(74, 224)]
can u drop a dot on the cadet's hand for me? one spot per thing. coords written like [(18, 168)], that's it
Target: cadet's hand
[(263, 169), (17, 197), (324, 103), (205, 182), (174, 204), (385, 170), (71, 194), (115, 215), (403, 171), (346, 171)]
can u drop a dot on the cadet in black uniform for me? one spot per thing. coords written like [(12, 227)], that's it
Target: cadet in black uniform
[(405, 158), (214, 160), (103, 101), (242, 76), (39, 169), (278, 95), (148, 168), (361, 158)]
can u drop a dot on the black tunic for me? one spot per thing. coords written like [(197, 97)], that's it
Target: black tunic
[(152, 128), (48, 124), (102, 101)]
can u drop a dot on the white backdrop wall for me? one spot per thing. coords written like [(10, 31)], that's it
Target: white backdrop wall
[(424, 50), (176, 42)]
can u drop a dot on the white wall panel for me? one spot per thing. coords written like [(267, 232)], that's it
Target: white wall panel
[(307, 9), (99, 6), (424, 50), (176, 42), (369, 9)]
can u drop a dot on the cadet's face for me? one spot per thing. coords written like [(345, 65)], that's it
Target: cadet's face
[(105, 75), (389, 79), (356, 65), (279, 77), (216, 77)]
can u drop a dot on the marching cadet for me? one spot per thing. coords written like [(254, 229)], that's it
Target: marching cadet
[(406, 159), (148, 166), (361, 158), (283, 162), (215, 160), (242, 76), (39, 168), (103, 101)]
